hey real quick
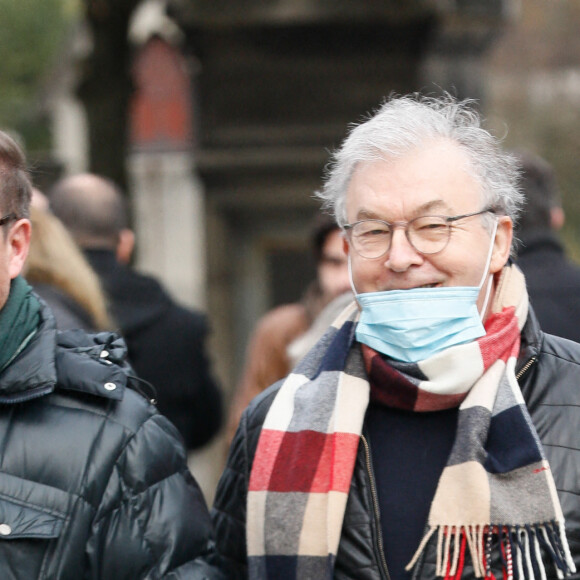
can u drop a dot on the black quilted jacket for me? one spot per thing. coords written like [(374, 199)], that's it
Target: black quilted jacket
[(93, 480), (549, 376)]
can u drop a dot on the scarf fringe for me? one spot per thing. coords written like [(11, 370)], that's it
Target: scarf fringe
[(519, 547)]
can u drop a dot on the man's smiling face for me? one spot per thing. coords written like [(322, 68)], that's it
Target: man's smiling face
[(430, 180)]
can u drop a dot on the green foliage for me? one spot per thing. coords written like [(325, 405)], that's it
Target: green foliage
[(31, 34)]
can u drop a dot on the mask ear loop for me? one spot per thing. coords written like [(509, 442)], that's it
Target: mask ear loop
[(487, 263), (350, 279)]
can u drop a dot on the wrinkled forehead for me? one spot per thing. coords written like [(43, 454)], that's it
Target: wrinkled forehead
[(434, 176), (439, 149)]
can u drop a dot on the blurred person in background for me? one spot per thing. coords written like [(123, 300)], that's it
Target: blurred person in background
[(60, 274), (93, 480), (553, 280), (284, 334), (166, 342)]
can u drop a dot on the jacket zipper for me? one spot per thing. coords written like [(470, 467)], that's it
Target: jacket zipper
[(525, 368), (375, 508)]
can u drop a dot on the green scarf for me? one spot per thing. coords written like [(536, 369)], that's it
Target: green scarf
[(19, 320)]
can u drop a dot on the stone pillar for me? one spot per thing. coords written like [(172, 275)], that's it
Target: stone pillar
[(167, 199)]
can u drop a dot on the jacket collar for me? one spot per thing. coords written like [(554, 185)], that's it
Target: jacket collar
[(543, 240), (532, 338), (70, 360)]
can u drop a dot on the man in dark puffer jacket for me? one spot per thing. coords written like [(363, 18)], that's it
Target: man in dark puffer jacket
[(93, 480), (434, 431)]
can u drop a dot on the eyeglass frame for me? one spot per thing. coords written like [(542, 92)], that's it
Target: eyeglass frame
[(405, 224)]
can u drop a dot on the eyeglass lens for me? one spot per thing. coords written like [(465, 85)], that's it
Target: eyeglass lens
[(427, 234)]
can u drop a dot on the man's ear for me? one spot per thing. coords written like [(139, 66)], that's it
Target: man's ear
[(18, 243), (502, 244), (557, 218), (345, 245), (125, 246)]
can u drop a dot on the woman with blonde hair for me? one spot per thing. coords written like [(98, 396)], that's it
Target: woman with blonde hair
[(61, 275)]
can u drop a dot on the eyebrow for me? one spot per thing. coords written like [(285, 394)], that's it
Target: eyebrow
[(434, 205)]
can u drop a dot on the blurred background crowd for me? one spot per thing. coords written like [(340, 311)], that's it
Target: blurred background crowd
[(198, 130)]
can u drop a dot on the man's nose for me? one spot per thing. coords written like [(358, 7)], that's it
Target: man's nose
[(401, 254)]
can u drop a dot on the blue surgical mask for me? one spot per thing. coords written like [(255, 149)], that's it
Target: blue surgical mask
[(415, 324)]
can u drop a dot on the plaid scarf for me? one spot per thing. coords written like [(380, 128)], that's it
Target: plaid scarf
[(495, 494)]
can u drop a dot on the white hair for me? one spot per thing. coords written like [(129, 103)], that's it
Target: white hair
[(404, 123)]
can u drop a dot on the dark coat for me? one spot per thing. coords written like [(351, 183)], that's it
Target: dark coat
[(68, 313), (553, 283), (166, 345), (550, 383), (93, 480)]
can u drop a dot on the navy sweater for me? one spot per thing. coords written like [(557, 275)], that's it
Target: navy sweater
[(409, 451)]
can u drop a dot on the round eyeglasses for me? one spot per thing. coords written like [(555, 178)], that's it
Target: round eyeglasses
[(427, 234)]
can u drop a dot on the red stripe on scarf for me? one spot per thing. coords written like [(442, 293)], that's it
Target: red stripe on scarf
[(427, 401), (392, 388), (502, 337), (280, 465), (388, 386)]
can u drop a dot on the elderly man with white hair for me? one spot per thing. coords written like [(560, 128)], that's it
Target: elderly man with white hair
[(434, 431)]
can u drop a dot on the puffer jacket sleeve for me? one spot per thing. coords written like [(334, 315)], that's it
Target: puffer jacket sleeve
[(153, 521), (229, 509)]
